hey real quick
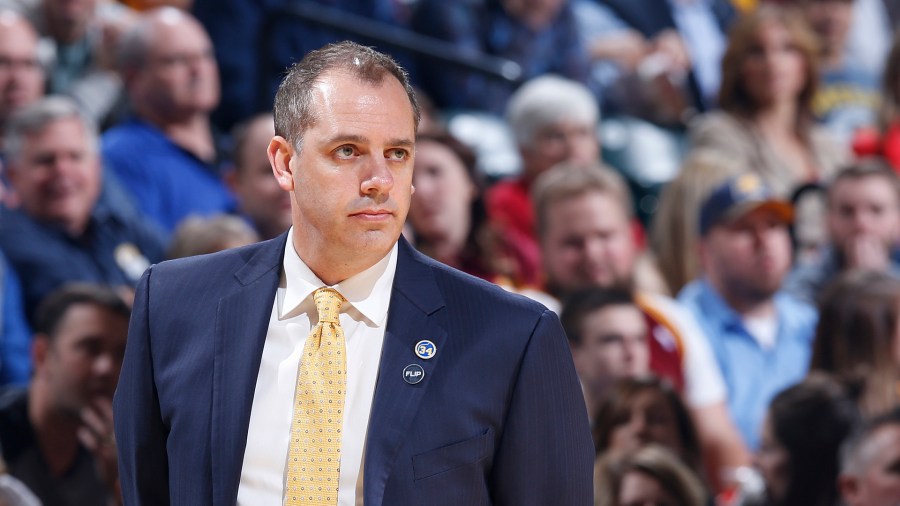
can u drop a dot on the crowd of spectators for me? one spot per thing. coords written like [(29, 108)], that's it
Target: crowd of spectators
[(705, 191)]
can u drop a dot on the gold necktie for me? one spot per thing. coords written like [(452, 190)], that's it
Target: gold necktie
[(314, 454)]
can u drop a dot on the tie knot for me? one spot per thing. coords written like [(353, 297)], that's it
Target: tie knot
[(328, 304)]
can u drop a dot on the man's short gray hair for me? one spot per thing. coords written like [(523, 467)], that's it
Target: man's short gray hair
[(34, 118), (548, 99), (293, 108)]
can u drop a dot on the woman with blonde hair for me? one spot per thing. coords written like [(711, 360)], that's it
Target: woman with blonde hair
[(766, 125), (650, 475)]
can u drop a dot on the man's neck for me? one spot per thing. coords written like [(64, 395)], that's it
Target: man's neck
[(192, 133), (750, 307), (54, 429)]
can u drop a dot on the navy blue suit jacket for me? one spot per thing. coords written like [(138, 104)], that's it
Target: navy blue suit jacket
[(498, 419)]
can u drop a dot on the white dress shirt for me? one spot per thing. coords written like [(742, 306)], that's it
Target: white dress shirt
[(363, 318)]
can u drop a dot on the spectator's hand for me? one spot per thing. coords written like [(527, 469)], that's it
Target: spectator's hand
[(97, 435), (670, 43), (627, 49), (866, 252)]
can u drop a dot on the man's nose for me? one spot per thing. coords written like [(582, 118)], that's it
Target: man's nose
[(378, 178)]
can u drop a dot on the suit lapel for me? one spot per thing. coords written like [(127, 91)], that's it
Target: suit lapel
[(242, 321), (414, 298)]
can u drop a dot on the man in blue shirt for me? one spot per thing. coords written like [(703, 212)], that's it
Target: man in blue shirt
[(166, 157), (761, 336)]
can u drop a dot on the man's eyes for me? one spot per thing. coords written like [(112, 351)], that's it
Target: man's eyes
[(398, 154)]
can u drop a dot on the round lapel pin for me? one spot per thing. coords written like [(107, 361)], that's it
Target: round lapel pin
[(425, 349), (413, 373)]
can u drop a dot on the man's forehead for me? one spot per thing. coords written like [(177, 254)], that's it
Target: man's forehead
[(340, 82), (882, 446)]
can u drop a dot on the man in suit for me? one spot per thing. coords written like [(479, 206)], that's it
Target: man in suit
[(473, 400)]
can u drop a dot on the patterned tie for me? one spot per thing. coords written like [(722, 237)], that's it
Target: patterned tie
[(314, 454)]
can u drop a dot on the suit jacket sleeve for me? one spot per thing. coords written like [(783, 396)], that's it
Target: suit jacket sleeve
[(546, 454), (140, 431)]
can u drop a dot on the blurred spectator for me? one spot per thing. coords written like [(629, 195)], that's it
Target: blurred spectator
[(675, 49), (584, 222), (649, 476), (761, 336), (810, 230), (607, 335), (884, 138), (641, 411), (21, 73), (79, 39), (848, 91), (863, 220), (449, 222), (430, 120), (256, 41), (22, 82), (769, 76), (15, 336), (166, 156), (259, 197), (554, 120), (539, 35), (801, 438), (869, 462), (57, 436), (856, 337), (62, 232), (675, 228), (198, 235)]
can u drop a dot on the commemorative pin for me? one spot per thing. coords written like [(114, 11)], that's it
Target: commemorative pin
[(425, 349)]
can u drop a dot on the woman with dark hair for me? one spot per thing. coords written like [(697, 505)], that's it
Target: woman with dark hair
[(769, 76), (448, 219), (640, 411), (856, 338), (802, 435)]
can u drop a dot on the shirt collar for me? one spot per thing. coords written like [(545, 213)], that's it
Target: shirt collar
[(368, 291), (715, 307)]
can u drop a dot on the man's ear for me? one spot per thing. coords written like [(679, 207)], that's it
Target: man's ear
[(40, 348), (280, 153), (848, 486), (231, 178), (11, 173)]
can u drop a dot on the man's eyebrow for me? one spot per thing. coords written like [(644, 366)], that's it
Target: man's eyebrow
[(359, 139), (403, 143)]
